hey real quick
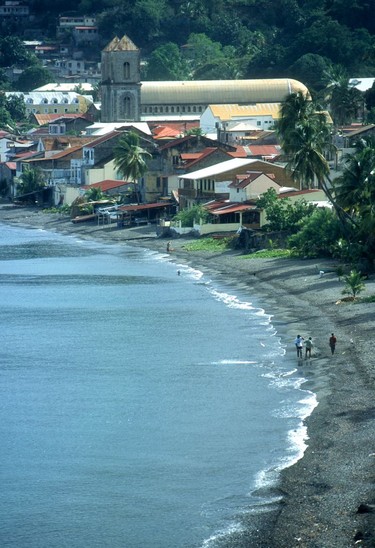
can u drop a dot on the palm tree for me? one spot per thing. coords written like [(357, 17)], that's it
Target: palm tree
[(353, 284), (355, 192), (130, 158), (94, 194), (305, 137), (31, 180), (343, 99)]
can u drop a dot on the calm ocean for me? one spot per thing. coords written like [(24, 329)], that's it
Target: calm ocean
[(139, 408)]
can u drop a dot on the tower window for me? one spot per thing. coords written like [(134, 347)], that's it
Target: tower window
[(126, 71), (127, 107)]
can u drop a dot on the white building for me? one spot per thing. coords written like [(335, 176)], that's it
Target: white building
[(228, 117)]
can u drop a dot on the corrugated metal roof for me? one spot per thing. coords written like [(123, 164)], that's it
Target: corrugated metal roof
[(58, 155), (228, 112), (141, 207), (232, 208), (107, 184), (209, 92), (222, 167)]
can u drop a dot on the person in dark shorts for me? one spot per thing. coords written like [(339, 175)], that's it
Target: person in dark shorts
[(332, 343), (308, 347)]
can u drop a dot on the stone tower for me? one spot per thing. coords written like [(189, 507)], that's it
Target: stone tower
[(121, 85)]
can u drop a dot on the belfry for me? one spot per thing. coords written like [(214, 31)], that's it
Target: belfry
[(121, 85)]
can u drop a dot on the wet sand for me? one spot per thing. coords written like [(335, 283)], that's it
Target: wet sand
[(328, 497)]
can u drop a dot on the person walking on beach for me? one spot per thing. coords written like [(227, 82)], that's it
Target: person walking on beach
[(332, 343), (299, 345), (308, 347)]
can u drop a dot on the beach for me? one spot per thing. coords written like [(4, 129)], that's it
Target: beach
[(328, 497)]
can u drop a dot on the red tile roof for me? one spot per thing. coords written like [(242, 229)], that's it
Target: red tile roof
[(232, 208), (107, 184), (297, 192)]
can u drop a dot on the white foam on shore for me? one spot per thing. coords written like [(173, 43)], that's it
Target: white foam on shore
[(234, 527)]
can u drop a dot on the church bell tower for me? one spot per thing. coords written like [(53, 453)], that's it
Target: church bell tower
[(121, 82)]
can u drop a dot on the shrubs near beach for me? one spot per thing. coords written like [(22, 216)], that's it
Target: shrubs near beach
[(354, 284)]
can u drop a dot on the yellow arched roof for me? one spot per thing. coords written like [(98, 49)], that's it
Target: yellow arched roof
[(208, 92)]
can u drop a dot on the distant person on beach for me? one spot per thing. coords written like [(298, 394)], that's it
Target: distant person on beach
[(169, 248), (308, 348), (299, 345), (332, 343)]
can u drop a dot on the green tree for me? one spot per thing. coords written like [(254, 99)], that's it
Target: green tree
[(282, 214), (94, 194), (191, 215), (131, 159), (31, 180), (13, 52), (16, 107), (353, 284), (305, 137), (33, 77), (355, 192), (6, 121), (317, 235), (370, 97), (167, 63), (344, 100), (310, 69)]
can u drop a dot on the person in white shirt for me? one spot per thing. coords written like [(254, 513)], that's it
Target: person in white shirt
[(299, 345)]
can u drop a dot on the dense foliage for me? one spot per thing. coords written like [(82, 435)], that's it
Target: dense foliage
[(31, 180), (188, 217), (282, 214), (206, 39)]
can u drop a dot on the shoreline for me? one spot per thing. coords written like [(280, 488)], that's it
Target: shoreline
[(322, 492)]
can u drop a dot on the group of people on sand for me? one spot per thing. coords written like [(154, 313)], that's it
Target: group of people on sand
[(300, 342)]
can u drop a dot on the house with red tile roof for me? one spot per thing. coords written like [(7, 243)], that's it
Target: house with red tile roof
[(110, 186)]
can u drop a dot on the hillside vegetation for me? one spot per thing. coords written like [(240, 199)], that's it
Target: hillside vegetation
[(232, 39)]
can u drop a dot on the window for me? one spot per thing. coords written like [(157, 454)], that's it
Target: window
[(127, 105), (126, 71), (259, 123)]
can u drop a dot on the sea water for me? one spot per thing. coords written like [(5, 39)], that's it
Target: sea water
[(142, 403)]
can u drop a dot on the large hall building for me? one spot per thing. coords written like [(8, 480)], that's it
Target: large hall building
[(126, 98)]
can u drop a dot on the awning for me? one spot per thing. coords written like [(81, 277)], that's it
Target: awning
[(238, 208), (143, 207)]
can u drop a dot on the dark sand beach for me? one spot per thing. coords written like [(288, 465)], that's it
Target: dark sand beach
[(328, 497)]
